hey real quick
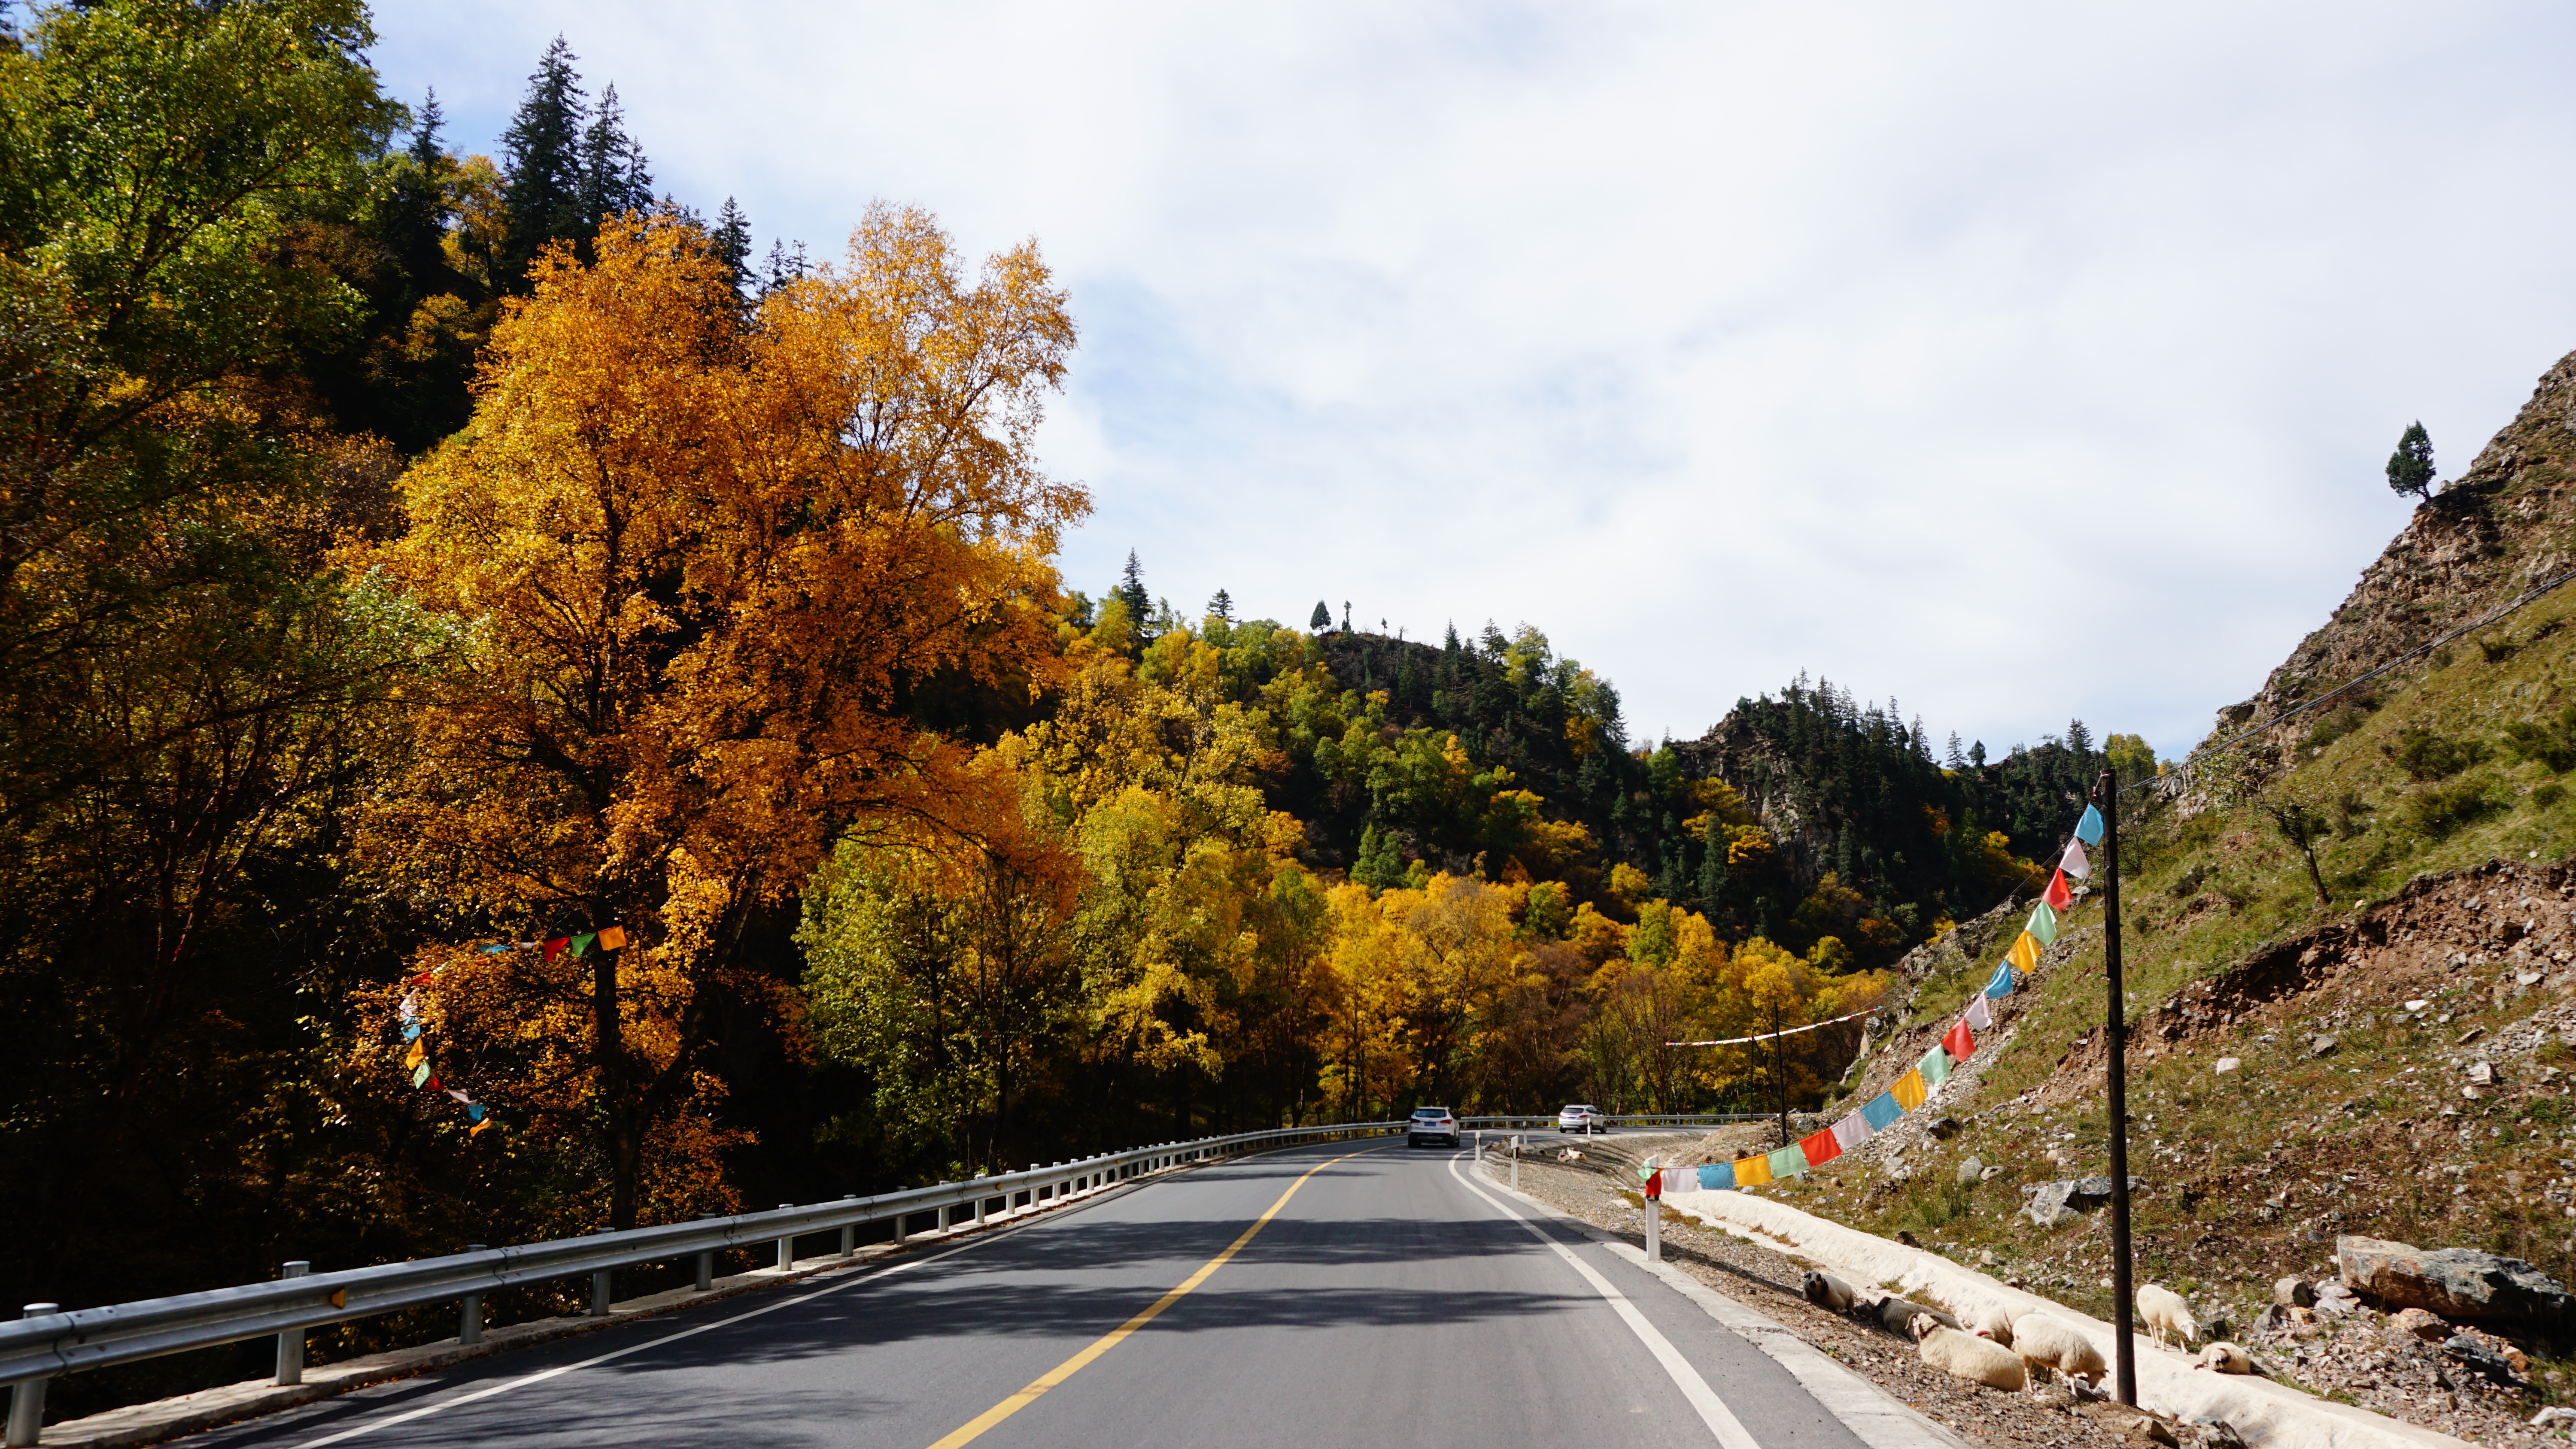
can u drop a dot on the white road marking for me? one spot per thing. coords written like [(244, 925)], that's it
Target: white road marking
[(1713, 1411)]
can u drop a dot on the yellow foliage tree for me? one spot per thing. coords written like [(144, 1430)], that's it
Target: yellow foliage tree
[(690, 566)]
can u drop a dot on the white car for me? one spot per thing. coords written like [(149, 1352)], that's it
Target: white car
[(1430, 1122), (1578, 1117)]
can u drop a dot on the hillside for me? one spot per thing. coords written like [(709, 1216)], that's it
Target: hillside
[(2389, 1062)]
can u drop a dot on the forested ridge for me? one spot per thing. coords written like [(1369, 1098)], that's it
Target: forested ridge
[(424, 571)]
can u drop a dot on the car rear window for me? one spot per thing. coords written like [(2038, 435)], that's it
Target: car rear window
[(1430, 1111), (1579, 1107)]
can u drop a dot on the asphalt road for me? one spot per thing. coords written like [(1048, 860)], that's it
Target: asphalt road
[(1384, 1299)]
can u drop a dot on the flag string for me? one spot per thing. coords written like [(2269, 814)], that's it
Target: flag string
[(416, 1049)]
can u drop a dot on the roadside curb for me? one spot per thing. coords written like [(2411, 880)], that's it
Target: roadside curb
[(1874, 1416)]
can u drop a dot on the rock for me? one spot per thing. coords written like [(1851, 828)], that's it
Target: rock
[(2426, 1326), (2218, 1434), (2417, 1005), (1943, 1127), (2526, 978), (1997, 1170), (2334, 1300), (2472, 1034), (2227, 1064), (2052, 1203), (2553, 1415), (2482, 1074), (2145, 1430), (2479, 1359), (1971, 1170), (2294, 1293), (2456, 1283), (2320, 1045)]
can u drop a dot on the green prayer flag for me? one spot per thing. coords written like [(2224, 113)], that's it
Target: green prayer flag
[(1935, 1067), (420, 1074), (581, 944), (1789, 1161), (2043, 924)]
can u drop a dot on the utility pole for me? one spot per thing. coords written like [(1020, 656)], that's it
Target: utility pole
[(2122, 1281)]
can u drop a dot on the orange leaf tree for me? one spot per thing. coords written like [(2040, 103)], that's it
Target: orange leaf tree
[(693, 563)]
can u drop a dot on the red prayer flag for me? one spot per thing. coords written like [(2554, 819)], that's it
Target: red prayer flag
[(556, 946), (2057, 895), (1958, 1043), (1821, 1148), (432, 1085)]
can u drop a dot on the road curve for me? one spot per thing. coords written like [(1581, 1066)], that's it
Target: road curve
[(1385, 1298)]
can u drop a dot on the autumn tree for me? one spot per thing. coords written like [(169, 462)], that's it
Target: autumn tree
[(701, 564)]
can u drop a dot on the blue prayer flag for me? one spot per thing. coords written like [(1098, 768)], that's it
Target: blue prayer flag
[(412, 1032), (1881, 1112), (2089, 829), (1717, 1177), (474, 1112), (2002, 985)]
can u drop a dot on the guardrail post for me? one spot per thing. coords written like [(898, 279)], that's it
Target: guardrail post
[(27, 1396), (469, 1317), (849, 1231), (706, 1272), (787, 1244), (1516, 1162), (599, 1293), (290, 1341), (979, 1210)]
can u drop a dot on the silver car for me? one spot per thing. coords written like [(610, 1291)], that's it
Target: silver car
[(1431, 1122), (1579, 1117)]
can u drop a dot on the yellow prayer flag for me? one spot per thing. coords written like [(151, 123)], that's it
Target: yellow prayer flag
[(1752, 1171), (413, 1057), (479, 1126), (1909, 1090), (2024, 953), (613, 939)]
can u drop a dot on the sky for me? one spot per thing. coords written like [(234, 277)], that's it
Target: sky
[(2019, 363)]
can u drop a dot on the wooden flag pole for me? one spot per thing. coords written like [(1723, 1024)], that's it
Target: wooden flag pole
[(2122, 1282)]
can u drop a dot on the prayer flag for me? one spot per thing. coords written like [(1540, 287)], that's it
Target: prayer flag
[(1788, 1162), (412, 1032), (478, 1128), (416, 1055), (419, 1073), (496, 949), (473, 1112), (461, 1099), (613, 939), (2057, 896), (433, 1085), (1717, 1177), (2002, 982), (581, 944), (1752, 1171), (1959, 1044), (2074, 862), (2024, 953), (1935, 1067), (1909, 1090), (2089, 829), (423, 979), (1853, 1130), (1882, 1110), (410, 1008), (1820, 1147), (556, 946), (1978, 1016), (2043, 924)]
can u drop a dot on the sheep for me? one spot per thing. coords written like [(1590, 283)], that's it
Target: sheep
[(2043, 1342), (1978, 1360), (2225, 1358), (1896, 1314), (1827, 1291), (1988, 1320), (2165, 1312)]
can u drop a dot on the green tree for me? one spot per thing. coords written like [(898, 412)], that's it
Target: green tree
[(2410, 468), (1322, 618)]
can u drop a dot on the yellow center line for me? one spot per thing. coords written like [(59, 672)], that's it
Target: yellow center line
[(976, 1426)]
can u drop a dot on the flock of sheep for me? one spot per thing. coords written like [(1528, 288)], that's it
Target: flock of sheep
[(2004, 1352)]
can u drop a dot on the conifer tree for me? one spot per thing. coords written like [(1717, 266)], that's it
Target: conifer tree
[(614, 178), (786, 264), (1131, 587), (1222, 606), (544, 150), (2410, 468), (731, 243), (1322, 619)]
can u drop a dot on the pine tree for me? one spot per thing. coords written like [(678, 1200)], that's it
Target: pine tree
[(1954, 759), (2410, 468), (731, 241), (1322, 619), (1222, 606), (544, 151), (1131, 587), (418, 213), (785, 266), (614, 180)]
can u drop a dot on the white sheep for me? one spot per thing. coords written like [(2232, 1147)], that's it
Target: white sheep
[(1827, 1291), (1967, 1356), (2043, 1342), (2226, 1358), (2165, 1312), (1988, 1320)]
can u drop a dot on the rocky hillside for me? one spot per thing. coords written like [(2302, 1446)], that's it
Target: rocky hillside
[(2351, 964)]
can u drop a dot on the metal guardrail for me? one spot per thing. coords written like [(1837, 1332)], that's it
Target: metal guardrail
[(1687, 1119), (49, 1341)]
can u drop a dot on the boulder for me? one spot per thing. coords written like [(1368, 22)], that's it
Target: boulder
[(2052, 1203), (2334, 1300), (2456, 1283), (1971, 1170), (2320, 1044), (2294, 1293), (1943, 1127), (2426, 1326), (2481, 1360)]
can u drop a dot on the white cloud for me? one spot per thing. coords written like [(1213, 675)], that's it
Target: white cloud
[(2022, 362)]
